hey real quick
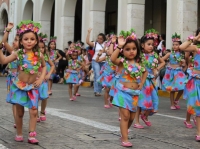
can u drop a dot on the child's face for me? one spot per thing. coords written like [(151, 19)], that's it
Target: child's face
[(148, 46), (176, 46), (29, 40), (74, 55), (42, 47), (52, 45), (16, 42), (130, 51)]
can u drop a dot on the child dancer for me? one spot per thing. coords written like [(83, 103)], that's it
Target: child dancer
[(106, 78), (130, 82), (148, 99), (43, 89), (174, 78), (192, 87), (11, 66), (53, 57), (71, 74), (24, 88), (78, 47)]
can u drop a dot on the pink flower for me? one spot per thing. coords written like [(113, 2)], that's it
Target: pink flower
[(129, 69), (138, 77), (139, 67), (25, 66), (122, 60), (17, 58), (23, 56), (153, 64), (136, 71), (24, 50), (35, 62), (155, 60), (36, 53), (20, 68), (32, 72), (126, 72)]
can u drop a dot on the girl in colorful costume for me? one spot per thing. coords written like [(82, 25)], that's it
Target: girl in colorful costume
[(192, 88), (107, 74), (174, 79), (71, 75), (148, 99), (43, 89), (24, 89), (81, 74), (130, 82), (12, 67), (53, 57)]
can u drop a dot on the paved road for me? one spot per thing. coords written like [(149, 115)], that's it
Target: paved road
[(85, 124)]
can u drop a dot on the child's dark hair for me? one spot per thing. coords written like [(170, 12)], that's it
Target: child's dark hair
[(164, 43), (49, 45), (143, 40), (36, 47), (180, 42), (197, 33), (45, 52), (103, 36), (130, 40), (163, 36)]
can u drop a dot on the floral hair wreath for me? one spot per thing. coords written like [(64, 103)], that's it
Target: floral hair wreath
[(129, 34), (53, 39), (28, 25), (151, 33), (78, 46), (71, 51), (176, 37), (42, 37)]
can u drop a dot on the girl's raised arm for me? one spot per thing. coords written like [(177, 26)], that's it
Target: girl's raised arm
[(91, 44), (8, 59)]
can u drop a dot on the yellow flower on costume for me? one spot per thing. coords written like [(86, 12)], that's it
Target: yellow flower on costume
[(67, 75), (129, 78), (135, 100), (31, 57), (21, 85), (169, 88), (197, 103)]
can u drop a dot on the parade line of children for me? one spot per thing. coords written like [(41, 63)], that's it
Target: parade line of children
[(128, 75)]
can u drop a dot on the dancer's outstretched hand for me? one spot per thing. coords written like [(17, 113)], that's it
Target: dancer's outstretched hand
[(10, 26)]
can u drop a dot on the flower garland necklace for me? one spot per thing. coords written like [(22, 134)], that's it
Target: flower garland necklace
[(175, 57), (74, 64), (146, 63), (46, 58), (109, 61), (128, 69), (24, 67)]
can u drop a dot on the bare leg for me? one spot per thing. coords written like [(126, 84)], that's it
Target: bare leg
[(33, 120), (124, 123), (70, 91), (137, 116), (188, 116), (132, 116), (19, 119), (179, 95), (14, 112), (50, 82), (43, 106), (106, 96), (172, 98), (198, 125), (76, 88)]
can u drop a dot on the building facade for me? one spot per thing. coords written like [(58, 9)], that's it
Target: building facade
[(70, 19)]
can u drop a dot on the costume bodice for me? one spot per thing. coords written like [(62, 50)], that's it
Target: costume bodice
[(172, 59), (197, 60), (53, 55), (13, 65), (74, 64)]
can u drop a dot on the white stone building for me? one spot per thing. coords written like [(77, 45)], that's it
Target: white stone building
[(70, 19)]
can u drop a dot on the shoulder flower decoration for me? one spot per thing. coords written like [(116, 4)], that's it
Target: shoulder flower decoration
[(78, 46), (178, 59), (128, 69), (74, 64)]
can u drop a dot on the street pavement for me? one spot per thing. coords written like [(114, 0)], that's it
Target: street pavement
[(85, 124)]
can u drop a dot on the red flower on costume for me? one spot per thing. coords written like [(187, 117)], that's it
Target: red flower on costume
[(190, 85), (196, 64), (148, 91), (147, 104), (181, 75), (167, 76)]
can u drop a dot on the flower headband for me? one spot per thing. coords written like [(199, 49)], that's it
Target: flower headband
[(151, 33), (28, 25), (78, 46), (71, 51), (176, 37), (53, 39), (42, 37), (129, 34)]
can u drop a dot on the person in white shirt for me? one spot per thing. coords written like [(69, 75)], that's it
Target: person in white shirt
[(97, 46)]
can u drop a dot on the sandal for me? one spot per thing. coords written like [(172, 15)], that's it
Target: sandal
[(188, 125), (148, 123), (43, 117), (174, 107), (106, 106), (176, 104), (50, 93), (126, 144), (77, 94), (97, 94), (38, 119), (32, 139), (197, 138), (19, 138), (15, 126), (119, 118), (138, 126)]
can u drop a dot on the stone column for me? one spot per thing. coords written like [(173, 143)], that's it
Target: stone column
[(86, 19), (181, 18), (122, 16), (135, 16)]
